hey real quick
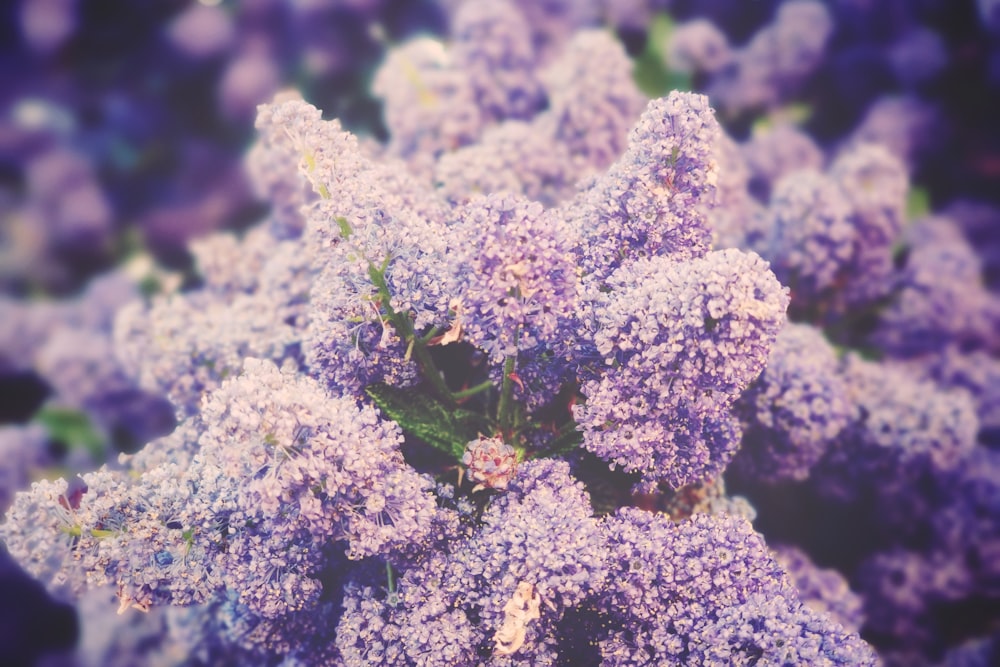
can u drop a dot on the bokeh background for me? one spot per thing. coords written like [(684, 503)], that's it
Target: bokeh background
[(123, 132)]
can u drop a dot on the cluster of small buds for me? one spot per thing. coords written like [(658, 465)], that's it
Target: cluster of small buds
[(490, 463)]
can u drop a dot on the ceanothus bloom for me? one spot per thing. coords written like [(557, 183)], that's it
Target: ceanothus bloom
[(655, 199), (519, 277), (680, 340)]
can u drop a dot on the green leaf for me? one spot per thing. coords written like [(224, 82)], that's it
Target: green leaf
[(918, 203), (72, 428), (652, 72), (421, 416), (345, 227)]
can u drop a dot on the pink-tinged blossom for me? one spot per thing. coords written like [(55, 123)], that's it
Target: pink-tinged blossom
[(490, 463)]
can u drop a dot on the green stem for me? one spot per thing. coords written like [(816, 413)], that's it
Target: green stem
[(472, 391), (426, 338), (567, 439), (404, 328), (506, 396), (390, 575)]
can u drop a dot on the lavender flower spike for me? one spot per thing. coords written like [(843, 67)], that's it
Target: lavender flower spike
[(655, 199)]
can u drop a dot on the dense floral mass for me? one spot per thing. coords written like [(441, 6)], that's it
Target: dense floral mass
[(567, 364)]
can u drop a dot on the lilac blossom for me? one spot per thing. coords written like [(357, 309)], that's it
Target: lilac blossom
[(698, 46), (27, 325), (655, 199), (23, 451), (430, 103), (978, 652), (794, 410), (491, 42), (272, 166), (810, 240), (777, 60), (906, 126), (70, 201), (875, 184), (593, 101), (84, 375), (540, 532), (729, 221), (821, 589), (201, 31), (989, 12), (182, 345), (901, 589), (978, 220), (82, 368), (681, 340), (24, 329), (902, 428), (376, 242), (919, 55), (977, 372), (513, 156), (780, 630), (938, 295), (965, 523), (280, 467), (670, 581), (543, 157), (777, 151), (314, 468), (518, 275)]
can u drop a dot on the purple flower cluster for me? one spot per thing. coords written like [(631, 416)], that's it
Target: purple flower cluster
[(470, 392), (706, 591), (680, 341), (591, 103), (902, 428), (778, 59), (794, 410), (518, 275), (829, 235), (280, 466), (655, 199)]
